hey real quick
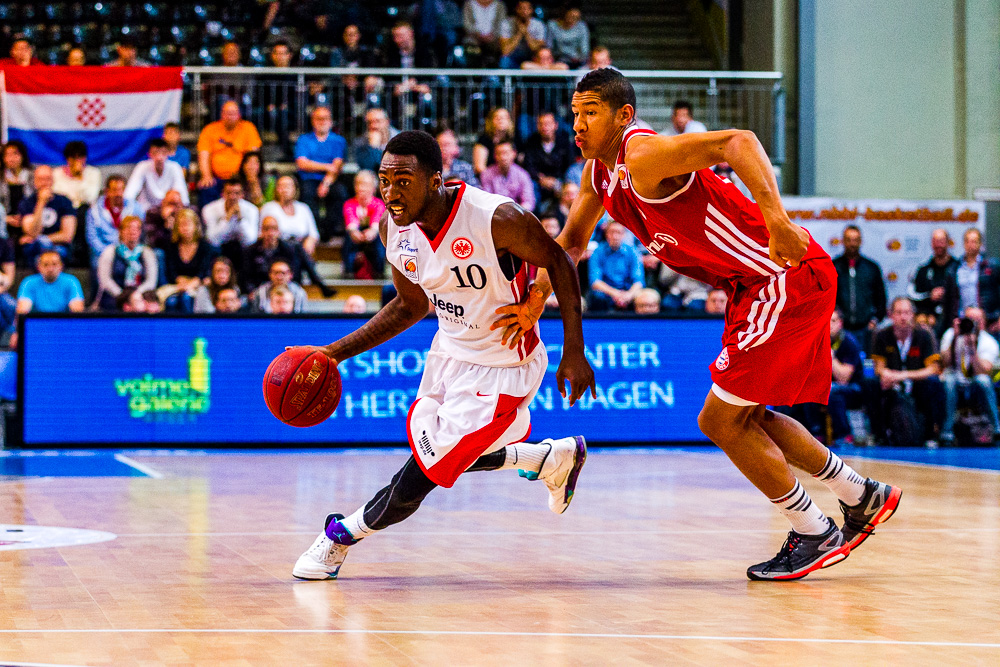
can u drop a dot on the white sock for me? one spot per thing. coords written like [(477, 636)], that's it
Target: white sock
[(526, 456), (840, 478), (356, 526), (804, 515)]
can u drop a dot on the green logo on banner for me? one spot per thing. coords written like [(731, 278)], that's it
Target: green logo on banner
[(155, 399)]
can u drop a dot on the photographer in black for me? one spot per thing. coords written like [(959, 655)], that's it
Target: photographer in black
[(969, 356)]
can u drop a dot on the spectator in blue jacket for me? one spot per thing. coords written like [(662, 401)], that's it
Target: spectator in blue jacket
[(616, 273), (105, 216), (319, 156)]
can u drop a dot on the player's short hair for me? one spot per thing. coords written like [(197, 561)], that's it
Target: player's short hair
[(683, 104), (157, 143), (420, 145), (74, 149), (610, 85)]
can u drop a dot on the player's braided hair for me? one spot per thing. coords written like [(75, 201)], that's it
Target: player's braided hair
[(420, 145), (610, 85)]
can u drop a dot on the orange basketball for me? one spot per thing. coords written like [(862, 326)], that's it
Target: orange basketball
[(302, 387)]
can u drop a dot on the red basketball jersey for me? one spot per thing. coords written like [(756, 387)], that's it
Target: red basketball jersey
[(707, 230)]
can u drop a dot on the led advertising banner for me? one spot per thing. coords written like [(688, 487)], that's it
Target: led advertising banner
[(197, 380)]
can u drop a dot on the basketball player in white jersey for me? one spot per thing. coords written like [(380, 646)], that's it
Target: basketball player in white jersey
[(465, 251)]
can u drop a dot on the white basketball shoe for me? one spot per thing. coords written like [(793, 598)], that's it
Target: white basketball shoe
[(323, 559), (561, 470)]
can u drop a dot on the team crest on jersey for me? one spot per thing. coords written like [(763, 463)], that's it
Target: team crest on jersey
[(623, 176), (409, 266), (462, 248), (722, 363)]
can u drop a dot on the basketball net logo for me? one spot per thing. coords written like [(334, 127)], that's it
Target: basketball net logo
[(462, 248), (722, 363), (409, 266)]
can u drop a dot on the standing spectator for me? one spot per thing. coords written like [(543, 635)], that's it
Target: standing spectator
[(76, 57), (353, 54), (176, 152), (22, 53), (927, 291), (405, 53), (569, 38), (128, 55), (509, 179), (647, 302), (368, 148), (362, 213), (548, 153), (319, 156), (8, 306), (221, 277), (716, 301), (153, 178), (520, 36), (278, 97), (188, 261), (281, 301), (499, 128), (104, 217), (453, 167), (906, 362), (47, 220), (438, 23), (159, 222), (976, 283), (483, 21), (616, 274), (682, 121), (231, 223), (280, 275), (126, 265), (75, 180), (258, 185), (969, 356), (294, 218), (221, 146), (50, 290), (16, 184), (860, 289)]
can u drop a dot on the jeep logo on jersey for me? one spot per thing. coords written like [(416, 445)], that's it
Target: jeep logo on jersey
[(409, 266), (453, 308), (462, 248)]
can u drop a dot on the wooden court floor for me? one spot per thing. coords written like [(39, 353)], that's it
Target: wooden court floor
[(646, 568)]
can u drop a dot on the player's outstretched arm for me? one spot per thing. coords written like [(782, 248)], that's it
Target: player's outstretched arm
[(516, 319), (651, 159), (518, 232), (408, 308)]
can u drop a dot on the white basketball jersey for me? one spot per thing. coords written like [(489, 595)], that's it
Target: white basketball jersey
[(462, 276)]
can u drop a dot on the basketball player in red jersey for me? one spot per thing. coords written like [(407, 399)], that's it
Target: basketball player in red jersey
[(781, 287)]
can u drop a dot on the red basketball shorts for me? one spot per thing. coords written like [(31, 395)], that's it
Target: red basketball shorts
[(776, 345), (466, 410)]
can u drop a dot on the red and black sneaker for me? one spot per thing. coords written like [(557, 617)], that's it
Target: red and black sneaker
[(876, 506), (802, 554)]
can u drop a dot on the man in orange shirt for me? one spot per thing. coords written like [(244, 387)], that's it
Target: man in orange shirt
[(221, 146)]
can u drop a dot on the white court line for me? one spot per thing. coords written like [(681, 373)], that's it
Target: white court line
[(549, 533), (144, 469), (915, 464), (491, 633)]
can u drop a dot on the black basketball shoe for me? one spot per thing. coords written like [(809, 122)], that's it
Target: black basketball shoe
[(802, 554), (876, 506)]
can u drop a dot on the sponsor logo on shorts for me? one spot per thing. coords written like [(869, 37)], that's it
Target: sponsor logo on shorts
[(462, 248), (409, 263), (424, 443), (722, 363)]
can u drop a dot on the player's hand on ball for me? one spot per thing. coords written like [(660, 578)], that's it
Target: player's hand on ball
[(788, 244), (520, 318), (323, 349), (575, 368)]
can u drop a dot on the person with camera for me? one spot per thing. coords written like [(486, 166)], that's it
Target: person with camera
[(969, 356), (908, 391)]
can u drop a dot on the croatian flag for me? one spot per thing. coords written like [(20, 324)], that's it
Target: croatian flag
[(115, 111)]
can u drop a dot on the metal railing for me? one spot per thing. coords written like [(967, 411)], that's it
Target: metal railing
[(277, 100)]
